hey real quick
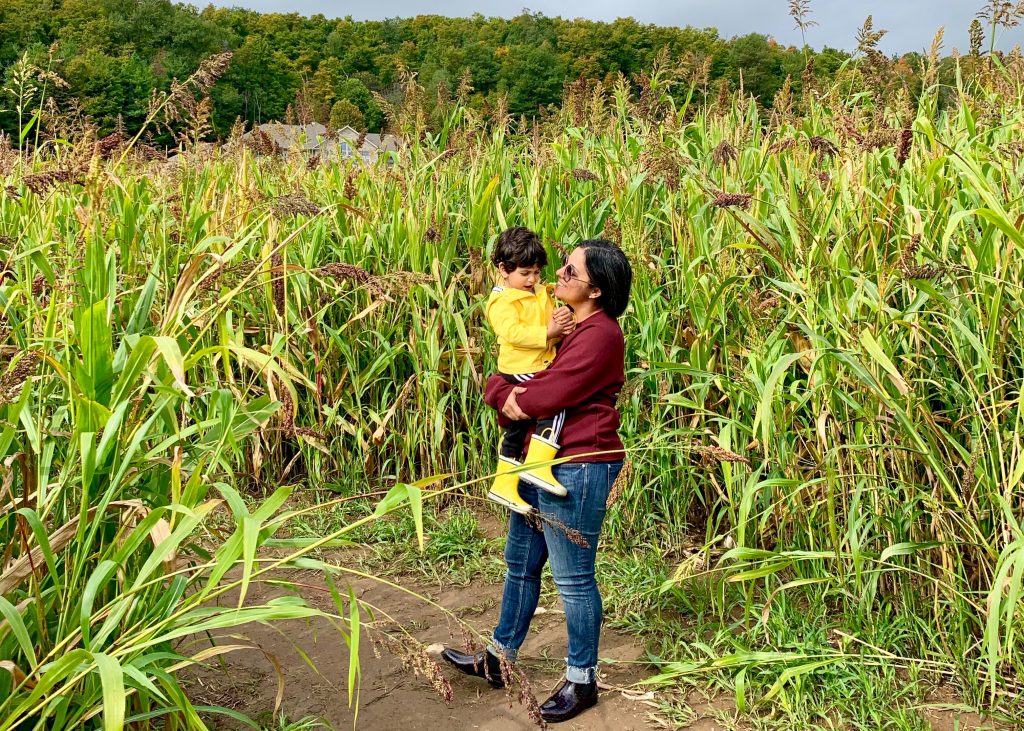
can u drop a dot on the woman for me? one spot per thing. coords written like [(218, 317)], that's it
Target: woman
[(584, 380)]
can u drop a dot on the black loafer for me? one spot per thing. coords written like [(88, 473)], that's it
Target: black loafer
[(569, 701), (481, 665)]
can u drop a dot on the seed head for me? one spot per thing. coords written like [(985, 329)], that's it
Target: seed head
[(822, 146), (620, 483), (722, 455), (40, 183), (724, 153), (415, 659), (731, 200), (11, 382), (294, 205), (584, 176), (277, 281), (903, 147)]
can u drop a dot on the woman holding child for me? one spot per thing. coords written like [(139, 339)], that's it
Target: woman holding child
[(578, 390)]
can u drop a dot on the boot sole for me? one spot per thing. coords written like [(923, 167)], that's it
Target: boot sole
[(558, 490), (514, 507)]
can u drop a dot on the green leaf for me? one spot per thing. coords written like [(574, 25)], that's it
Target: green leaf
[(19, 630), (353, 646), (112, 679), (875, 351)]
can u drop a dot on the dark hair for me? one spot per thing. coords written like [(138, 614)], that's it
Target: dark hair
[(519, 247), (610, 272)]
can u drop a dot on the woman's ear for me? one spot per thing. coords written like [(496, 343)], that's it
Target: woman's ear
[(595, 293)]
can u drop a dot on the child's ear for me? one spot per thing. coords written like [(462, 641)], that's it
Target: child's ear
[(502, 270)]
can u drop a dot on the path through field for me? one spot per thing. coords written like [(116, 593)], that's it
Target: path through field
[(391, 697)]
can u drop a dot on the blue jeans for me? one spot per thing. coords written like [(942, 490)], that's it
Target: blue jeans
[(572, 565)]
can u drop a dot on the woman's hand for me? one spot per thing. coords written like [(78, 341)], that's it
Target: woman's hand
[(511, 408)]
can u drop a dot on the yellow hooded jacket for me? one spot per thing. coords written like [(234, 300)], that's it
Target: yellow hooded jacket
[(520, 320)]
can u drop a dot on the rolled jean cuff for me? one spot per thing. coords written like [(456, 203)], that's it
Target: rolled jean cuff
[(499, 650), (580, 675)]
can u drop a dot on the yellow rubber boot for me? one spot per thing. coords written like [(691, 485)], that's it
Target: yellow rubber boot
[(505, 489), (538, 474)]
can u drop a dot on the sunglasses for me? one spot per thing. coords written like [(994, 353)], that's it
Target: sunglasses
[(569, 272)]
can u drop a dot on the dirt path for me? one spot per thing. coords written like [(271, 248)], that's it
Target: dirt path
[(391, 697)]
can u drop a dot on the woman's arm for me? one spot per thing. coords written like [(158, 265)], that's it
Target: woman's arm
[(584, 366)]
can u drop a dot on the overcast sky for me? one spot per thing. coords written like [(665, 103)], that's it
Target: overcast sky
[(911, 23)]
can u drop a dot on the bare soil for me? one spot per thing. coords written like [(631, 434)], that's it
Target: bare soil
[(313, 660), (392, 697)]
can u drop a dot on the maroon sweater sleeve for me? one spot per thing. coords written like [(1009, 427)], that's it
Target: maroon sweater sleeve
[(588, 362)]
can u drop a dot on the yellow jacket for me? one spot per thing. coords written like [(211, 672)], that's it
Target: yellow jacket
[(520, 320)]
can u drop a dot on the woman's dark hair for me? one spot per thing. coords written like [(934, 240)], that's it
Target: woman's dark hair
[(610, 272), (519, 247)]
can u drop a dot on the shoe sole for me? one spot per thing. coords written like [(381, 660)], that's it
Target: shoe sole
[(514, 507), (558, 490)]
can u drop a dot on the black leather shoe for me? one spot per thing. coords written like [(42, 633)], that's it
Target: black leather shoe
[(569, 701), (481, 665)]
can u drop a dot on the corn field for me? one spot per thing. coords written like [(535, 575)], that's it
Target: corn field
[(822, 343)]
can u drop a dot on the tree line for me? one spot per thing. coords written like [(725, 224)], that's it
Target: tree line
[(105, 59)]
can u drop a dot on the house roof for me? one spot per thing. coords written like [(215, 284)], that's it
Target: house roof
[(314, 137), (287, 136)]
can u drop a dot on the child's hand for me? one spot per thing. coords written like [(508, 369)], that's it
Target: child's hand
[(566, 320), (554, 329)]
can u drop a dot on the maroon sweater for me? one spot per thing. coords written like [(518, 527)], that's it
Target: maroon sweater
[(584, 380)]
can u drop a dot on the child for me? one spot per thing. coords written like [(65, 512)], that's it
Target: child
[(527, 324)]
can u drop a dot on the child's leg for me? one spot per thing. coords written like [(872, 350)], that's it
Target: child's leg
[(505, 488), (551, 429), (514, 441), (544, 448)]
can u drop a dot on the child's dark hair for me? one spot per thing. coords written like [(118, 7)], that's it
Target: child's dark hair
[(519, 247)]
